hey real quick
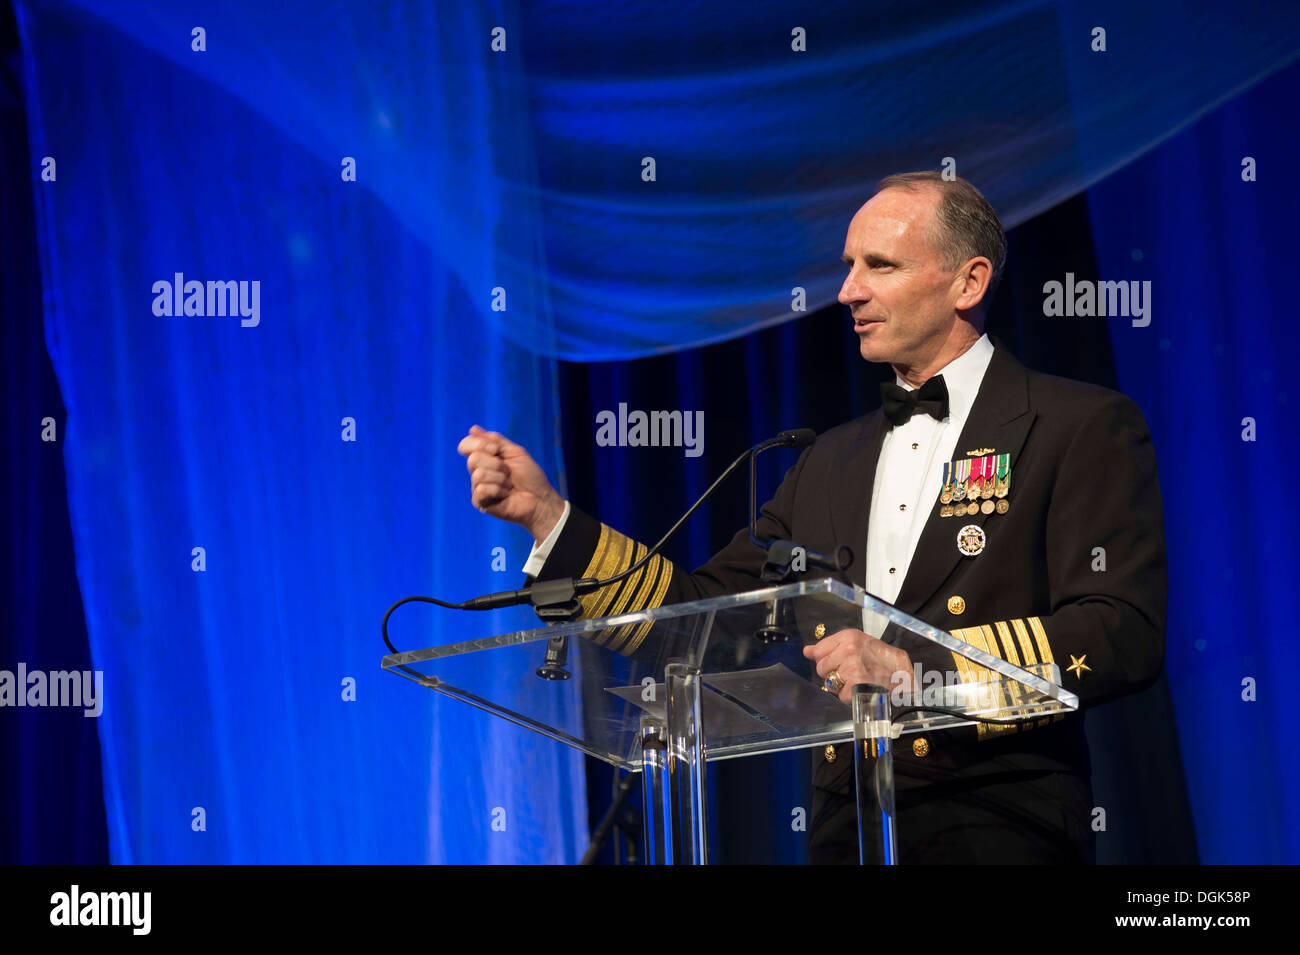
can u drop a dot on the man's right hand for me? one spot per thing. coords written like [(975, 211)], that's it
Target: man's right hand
[(507, 483)]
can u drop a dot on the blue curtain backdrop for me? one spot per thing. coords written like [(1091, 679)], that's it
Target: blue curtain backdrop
[(522, 169), (1222, 348), (225, 688)]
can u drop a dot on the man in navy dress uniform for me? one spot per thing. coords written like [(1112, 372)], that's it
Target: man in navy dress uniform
[(1020, 512)]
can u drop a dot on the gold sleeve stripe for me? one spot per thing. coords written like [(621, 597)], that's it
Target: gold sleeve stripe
[(665, 578), (1022, 634), (991, 641), (985, 730), (990, 645), (614, 560), (1044, 648), (644, 589), (613, 637), (622, 641), (638, 584), (1045, 651), (1008, 642), (975, 637), (964, 666), (629, 551), (664, 569), (629, 586), (600, 563), (980, 640), (972, 672), (649, 577), (629, 637)]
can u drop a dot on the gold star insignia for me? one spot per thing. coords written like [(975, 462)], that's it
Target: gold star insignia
[(1077, 666)]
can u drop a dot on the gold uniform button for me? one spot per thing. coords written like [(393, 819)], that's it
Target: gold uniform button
[(956, 605), (920, 746), (819, 631), (830, 754)]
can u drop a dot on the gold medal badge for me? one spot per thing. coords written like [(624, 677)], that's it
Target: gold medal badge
[(976, 484), (960, 471), (971, 540), (1002, 485), (987, 492)]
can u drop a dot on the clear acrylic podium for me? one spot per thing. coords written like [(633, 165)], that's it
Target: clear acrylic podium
[(665, 691)]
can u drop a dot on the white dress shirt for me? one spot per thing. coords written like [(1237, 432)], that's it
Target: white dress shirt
[(542, 549), (909, 476), (909, 473)]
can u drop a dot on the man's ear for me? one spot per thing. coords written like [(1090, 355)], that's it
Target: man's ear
[(976, 276)]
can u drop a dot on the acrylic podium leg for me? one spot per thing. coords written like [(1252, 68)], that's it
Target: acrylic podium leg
[(686, 810), (655, 799), (873, 762)]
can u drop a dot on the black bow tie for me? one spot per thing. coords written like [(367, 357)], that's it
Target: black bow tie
[(900, 404)]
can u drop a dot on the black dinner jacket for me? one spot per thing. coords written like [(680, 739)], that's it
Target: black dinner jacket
[(1073, 573)]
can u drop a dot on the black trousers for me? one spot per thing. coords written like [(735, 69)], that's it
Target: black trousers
[(1015, 818)]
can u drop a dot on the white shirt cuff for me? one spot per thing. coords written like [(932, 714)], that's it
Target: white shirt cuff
[(541, 551)]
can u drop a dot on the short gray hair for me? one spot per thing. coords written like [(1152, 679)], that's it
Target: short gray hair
[(968, 226)]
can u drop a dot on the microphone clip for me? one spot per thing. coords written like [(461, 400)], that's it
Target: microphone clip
[(780, 555), (555, 601), (786, 557)]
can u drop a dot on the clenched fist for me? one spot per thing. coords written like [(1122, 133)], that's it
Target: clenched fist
[(861, 658), (506, 483)]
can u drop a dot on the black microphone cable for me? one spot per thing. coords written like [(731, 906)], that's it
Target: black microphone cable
[(544, 593)]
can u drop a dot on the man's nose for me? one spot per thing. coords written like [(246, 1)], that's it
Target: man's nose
[(853, 291)]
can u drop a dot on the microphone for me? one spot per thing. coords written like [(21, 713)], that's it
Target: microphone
[(781, 554), (794, 438), (798, 438)]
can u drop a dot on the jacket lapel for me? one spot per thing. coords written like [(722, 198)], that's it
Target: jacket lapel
[(855, 467), (1000, 418)]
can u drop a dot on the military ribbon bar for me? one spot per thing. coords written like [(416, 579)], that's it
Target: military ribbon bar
[(976, 477), (961, 471), (1003, 485)]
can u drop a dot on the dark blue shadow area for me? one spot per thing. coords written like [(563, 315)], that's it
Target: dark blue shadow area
[(52, 797)]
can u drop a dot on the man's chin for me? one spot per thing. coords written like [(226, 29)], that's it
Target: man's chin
[(873, 351)]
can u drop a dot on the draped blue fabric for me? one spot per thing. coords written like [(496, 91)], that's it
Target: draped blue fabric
[(762, 153), (1215, 375), (225, 687), (520, 178)]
